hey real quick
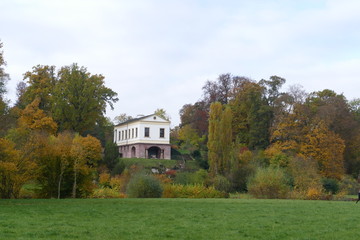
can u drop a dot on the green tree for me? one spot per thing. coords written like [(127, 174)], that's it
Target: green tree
[(80, 99), (225, 140), (190, 139), (162, 113), (251, 116), (111, 155), (213, 145), (220, 139), (123, 117), (4, 77), (6, 118)]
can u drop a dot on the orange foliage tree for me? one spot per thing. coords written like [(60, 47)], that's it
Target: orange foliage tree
[(327, 148), (15, 170), (85, 152)]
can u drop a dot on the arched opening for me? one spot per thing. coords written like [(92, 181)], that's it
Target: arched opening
[(154, 152), (133, 152)]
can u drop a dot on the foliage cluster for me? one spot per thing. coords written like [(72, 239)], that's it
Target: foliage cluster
[(144, 186), (191, 191)]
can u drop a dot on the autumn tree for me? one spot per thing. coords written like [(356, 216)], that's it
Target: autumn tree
[(60, 147), (85, 152), (40, 85), (195, 115), (327, 148), (15, 170)]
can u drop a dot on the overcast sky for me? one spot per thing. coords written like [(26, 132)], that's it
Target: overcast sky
[(159, 53)]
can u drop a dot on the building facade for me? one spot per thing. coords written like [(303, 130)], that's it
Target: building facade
[(145, 137)]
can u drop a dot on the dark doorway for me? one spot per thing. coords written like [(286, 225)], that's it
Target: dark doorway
[(154, 152), (133, 152)]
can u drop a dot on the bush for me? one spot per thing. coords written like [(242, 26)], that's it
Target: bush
[(144, 186), (330, 185), (222, 184), (349, 185), (104, 179), (198, 177), (107, 193), (268, 183), (191, 191), (184, 178), (119, 168), (313, 194)]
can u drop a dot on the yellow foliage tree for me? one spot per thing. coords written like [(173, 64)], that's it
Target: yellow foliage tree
[(15, 170), (33, 118), (327, 148), (85, 152)]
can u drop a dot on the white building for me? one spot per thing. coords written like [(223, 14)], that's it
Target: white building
[(145, 137)]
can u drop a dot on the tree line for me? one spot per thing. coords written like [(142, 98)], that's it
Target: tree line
[(240, 125), (55, 133), (243, 132)]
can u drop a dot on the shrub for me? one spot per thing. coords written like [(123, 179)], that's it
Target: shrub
[(330, 185), (144, 186), (191, 191), (268, 183), (104, 179), (201, 177), (107, 193), (184, 178), (313, 194), (163, 178), (349, 185), (221, 183), (119, 168), (304, 174), (117, 182)]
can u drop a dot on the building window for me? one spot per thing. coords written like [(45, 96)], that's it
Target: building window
[(136, 132), (122, 135), (132, 133), (162, 132), (125, 134), (119, 137), (147, 132)]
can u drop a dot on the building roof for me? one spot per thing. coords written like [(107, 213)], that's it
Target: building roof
[(139, 119)]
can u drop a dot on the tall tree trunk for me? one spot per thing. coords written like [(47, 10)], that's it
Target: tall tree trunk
[(59, 185), (75, 178)]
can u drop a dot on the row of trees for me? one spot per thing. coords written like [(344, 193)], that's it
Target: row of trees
[(55, 133), (239, 123)]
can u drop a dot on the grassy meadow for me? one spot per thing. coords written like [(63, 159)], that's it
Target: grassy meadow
[(178, 219)]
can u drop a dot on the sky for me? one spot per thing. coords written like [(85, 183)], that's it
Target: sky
[(159, 53)]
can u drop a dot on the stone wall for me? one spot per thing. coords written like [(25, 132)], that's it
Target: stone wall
[(141, 150)]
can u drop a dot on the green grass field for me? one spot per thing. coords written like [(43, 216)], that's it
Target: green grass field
[(178, 219)]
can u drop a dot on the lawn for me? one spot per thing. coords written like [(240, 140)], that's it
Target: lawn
[(178, 219)]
